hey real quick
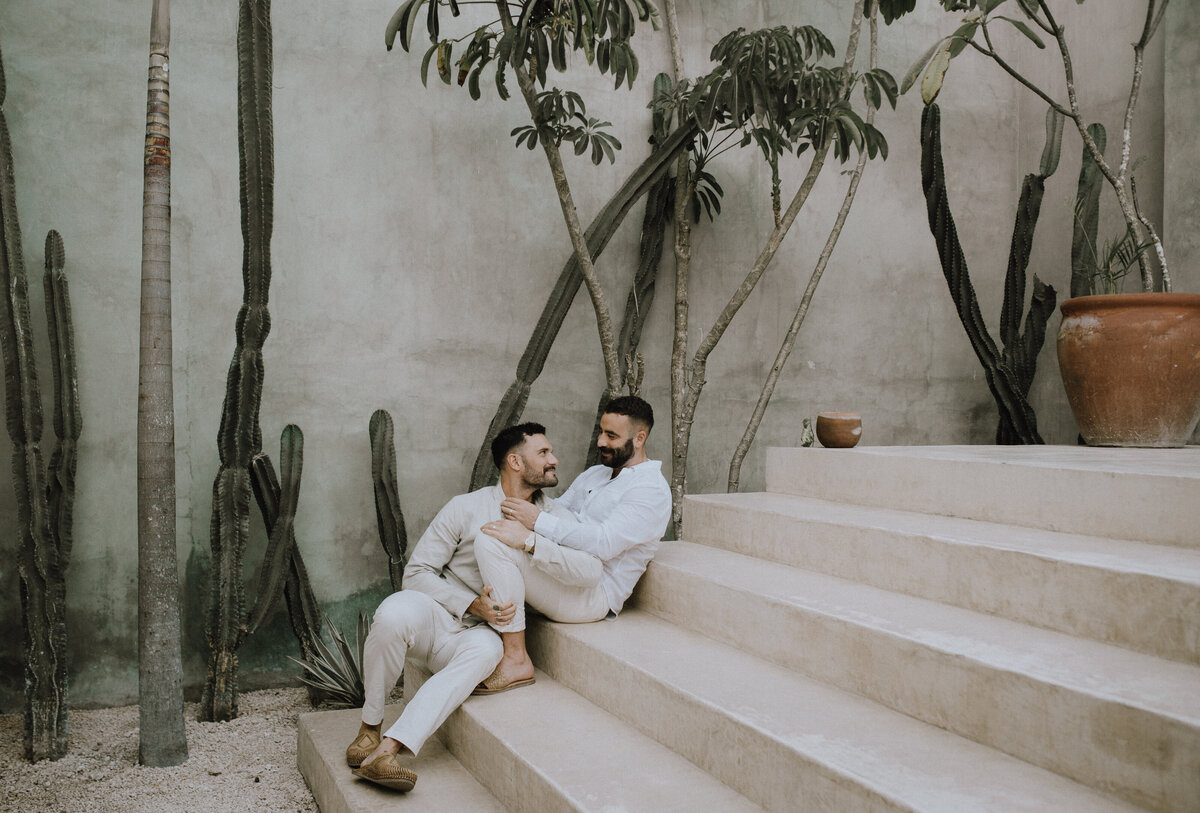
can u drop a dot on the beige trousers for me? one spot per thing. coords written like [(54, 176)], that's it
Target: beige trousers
[(410, 624), (561, 583)]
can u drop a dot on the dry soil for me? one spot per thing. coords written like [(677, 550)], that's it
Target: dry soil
[(248, 764)]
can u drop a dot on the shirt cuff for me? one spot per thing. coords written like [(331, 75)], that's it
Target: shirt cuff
[(543, 548), (465, 611), (547, 525)]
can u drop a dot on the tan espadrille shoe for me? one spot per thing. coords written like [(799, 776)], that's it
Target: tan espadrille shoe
[(500, 681), (387, 771), (361, 748)]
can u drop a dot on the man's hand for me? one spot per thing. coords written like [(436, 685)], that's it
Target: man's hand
[(510, 532), (491, 610), (522, 511)]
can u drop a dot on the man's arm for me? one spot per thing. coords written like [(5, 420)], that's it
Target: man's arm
[(431, 555), (640, 516)]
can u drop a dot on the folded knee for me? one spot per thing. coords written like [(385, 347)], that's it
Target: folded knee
[(490, 548), (397, 614)]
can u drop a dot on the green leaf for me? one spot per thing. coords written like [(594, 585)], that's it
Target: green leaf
[(1053, 148), (558, 51), (618, 64), (542, 56), (425, 65), (473, 83), (402, 22), (1026, 30), (962, 37)]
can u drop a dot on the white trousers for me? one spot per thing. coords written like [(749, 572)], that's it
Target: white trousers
[(410, 624), (561, 583)]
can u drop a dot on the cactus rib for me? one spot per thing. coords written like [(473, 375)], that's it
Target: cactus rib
[(388, 516)]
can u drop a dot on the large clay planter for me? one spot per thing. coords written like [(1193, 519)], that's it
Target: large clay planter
[(1131, 367)]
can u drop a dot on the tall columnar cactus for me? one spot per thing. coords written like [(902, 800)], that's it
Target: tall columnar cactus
[(239, 438), (1009, 372), (390, 519), (44, 498), (67, 421)]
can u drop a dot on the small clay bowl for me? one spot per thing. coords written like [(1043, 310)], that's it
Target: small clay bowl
[(839, 430)]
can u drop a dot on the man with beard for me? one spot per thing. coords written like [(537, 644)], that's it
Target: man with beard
[(440, 618), (623, 506)]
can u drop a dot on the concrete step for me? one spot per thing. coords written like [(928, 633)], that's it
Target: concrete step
[(1117, 720), (442, 783), (543, 748), (785, 740), (1135, 595), (1147, 495)]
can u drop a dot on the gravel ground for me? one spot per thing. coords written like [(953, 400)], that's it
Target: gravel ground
[(248, 764)]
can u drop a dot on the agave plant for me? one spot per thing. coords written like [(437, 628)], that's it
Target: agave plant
[(336, 672)]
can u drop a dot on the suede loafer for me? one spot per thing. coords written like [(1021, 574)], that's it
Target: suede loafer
[(386, 770), (362, 747)]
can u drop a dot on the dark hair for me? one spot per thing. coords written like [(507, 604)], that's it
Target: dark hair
[(512, 437), (638, 410)]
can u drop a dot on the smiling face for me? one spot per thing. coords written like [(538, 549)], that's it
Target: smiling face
[(537, 464), (620, 441)]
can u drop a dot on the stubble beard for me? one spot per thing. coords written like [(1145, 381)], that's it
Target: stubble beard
[(616, 458)]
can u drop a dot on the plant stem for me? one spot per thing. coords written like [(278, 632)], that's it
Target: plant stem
[(683, 255), (789, 340), (1117, 180), (604, 325)]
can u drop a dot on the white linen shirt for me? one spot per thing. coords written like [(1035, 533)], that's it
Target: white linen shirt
[(621, 520), (442, 564)]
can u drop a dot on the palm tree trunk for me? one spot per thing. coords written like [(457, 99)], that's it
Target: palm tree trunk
[(160, 666)]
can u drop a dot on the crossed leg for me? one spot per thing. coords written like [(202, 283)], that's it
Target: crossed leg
[(410, 624), (561, 583)]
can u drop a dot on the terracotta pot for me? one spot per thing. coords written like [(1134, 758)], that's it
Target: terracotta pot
[(839, 430), (1131, 367)]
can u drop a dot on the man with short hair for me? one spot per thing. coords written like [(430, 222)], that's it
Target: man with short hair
[(623, 507), (440, 618)]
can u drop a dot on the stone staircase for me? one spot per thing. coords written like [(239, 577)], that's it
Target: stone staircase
[(887, 628)]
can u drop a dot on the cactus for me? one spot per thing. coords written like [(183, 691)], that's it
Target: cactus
[(303, 611), (281, 540), (387, 494), (1087, 216), (239, 438), (44, 498), (1009, 372)]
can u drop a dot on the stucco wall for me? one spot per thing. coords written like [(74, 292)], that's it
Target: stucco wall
[(413, 248)]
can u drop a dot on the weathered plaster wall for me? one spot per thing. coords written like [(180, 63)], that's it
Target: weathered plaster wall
[(413, 247)]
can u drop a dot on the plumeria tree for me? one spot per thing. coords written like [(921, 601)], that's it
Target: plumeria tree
[(772, 89), (1039, 24), (525, 39)]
